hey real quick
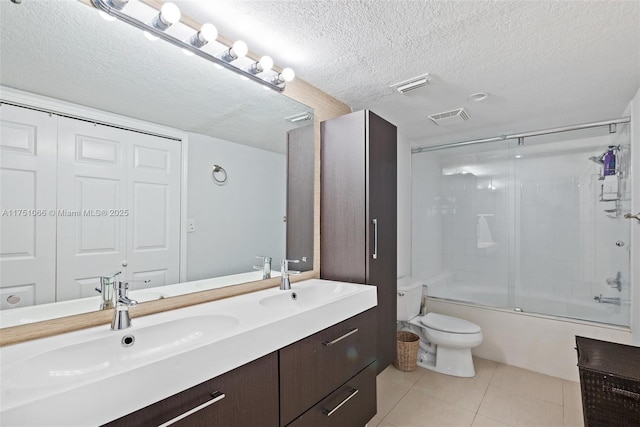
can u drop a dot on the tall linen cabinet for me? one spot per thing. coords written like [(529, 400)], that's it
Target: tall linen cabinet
[(358, 213)]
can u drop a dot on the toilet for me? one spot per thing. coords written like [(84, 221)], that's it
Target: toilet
[(445, 341)]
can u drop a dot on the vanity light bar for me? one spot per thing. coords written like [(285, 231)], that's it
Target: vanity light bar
[(273, 81)]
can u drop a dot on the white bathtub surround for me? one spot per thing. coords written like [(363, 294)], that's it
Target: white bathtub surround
[(52, 382), (404, 206), (538, 343)]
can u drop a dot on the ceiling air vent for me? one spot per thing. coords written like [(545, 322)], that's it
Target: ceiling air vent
[(412, 84), (450, 118)]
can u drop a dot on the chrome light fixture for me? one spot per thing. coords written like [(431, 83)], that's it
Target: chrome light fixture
[(202, 43)]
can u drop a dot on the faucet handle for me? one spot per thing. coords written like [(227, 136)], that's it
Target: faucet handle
[(285, 266)]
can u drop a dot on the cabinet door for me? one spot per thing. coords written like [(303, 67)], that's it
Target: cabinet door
[(315, 366), (246, 396), (27, 182), (343, 198), (351, 405), (382, 230)]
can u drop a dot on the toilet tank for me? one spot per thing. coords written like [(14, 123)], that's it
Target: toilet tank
[(409, 296)]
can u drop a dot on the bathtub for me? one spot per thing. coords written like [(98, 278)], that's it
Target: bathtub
[(576, 309), (529, 339)]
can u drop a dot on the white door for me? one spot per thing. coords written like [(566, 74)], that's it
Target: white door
[(153, 237), (121, 192), (27, 205)]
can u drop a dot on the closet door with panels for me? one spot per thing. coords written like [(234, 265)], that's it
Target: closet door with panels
[(28, 194), (119, 207)]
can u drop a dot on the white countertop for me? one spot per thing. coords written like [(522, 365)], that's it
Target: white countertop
[(114, 391)]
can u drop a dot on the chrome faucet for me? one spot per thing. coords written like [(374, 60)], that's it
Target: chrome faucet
[(615, 282), (285, 283), (121, 319), (107, 285), (605, 300), (266, 266)]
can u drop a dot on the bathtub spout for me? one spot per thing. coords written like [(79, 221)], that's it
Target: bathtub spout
[(605, 300)]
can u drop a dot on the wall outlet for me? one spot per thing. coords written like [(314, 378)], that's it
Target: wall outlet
[(191, 225)]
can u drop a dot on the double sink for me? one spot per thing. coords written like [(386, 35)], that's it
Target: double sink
[(176, 349)]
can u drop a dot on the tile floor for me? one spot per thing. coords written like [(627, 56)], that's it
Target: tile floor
[(499, 395)]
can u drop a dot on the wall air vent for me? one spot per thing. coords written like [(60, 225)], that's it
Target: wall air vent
[(411, 84), (450, 118)]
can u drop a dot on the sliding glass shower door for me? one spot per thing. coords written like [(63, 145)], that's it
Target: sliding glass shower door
[(533, 225)]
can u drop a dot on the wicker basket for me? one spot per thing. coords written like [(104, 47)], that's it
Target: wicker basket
[(610, 383), (407, 344)]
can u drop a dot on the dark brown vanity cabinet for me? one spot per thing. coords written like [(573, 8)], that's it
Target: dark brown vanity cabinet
[(245, 396), (319, 368), (358, 213), (326, 379)]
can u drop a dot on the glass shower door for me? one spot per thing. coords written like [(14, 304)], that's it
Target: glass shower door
[(571, 240)]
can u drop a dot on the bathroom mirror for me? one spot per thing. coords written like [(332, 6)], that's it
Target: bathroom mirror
[(231, 163)]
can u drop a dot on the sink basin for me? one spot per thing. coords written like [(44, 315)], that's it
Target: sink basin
[(115, 352), (309, 294)]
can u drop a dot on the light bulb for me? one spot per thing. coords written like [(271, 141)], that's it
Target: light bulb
[(170, 13), (239, 49), (207, 33), (265, 63), (288, 74), (104, 15)]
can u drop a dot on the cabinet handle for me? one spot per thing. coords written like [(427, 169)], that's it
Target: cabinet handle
[(340, 338), (217, 397), (328, 412), (375, 239)]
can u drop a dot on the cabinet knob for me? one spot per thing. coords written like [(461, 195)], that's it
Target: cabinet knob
[(125, 263)]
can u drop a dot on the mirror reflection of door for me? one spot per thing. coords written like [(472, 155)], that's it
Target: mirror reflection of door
[(300, 179), (112, 205)]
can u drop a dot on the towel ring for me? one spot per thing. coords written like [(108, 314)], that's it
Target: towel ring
[(219, 174)]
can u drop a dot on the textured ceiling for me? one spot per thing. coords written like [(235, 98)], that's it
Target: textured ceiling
[(63, 49), (544, 63)]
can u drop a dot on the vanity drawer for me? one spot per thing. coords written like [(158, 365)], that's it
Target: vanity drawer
[(314, 367), (246, 396), (352, 405)]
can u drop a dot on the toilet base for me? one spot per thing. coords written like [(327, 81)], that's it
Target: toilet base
[(456, 362)]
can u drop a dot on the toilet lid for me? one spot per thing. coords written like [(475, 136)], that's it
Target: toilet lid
[(444, 323)]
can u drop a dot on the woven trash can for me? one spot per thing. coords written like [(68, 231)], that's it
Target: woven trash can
[(407, 344), (610, 383)]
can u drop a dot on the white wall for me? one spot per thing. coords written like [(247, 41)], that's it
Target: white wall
[(237, 221), (404, 206), (426, 243)]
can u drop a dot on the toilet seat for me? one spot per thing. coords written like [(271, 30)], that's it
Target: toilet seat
[(442, 323)]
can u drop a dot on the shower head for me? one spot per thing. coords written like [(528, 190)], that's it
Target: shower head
[(597, 160)]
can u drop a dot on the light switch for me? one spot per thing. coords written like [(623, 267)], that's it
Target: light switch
[(191, 225)]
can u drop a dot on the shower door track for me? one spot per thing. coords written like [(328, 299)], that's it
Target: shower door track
[(522, 135)]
